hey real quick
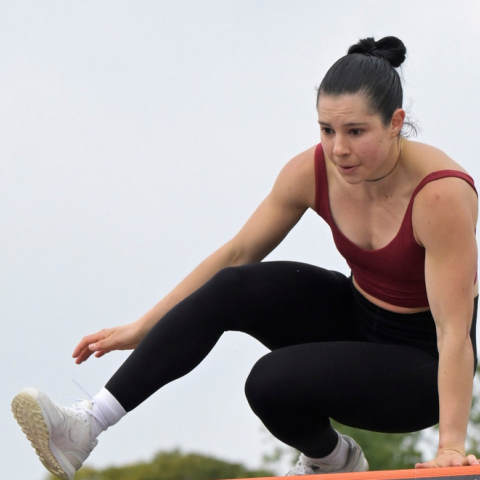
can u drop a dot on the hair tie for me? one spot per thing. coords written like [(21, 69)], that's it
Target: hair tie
[(371, 50)]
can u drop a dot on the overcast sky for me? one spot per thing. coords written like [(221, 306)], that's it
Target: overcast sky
[(137, 137)]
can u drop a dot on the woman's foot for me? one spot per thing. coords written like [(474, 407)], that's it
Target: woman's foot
[(60, 435), (356, 462)]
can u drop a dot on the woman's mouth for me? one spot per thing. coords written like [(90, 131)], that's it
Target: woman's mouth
[(347, 168)]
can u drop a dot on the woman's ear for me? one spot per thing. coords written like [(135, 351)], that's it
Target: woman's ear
[(398, 119)]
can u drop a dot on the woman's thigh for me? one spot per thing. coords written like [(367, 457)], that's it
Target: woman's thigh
[(285, 303), (385, 388)]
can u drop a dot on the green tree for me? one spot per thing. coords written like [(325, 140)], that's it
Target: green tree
[(383, 452), (173, 465)]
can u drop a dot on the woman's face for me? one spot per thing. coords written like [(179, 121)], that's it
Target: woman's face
[(355, 139)]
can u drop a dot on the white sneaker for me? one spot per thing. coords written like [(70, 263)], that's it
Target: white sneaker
[(60, 435), (356, 463)]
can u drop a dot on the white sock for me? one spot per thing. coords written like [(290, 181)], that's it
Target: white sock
[(337, 459), (107, 411)]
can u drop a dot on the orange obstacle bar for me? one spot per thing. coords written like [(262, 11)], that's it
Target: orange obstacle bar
[(453, 473)]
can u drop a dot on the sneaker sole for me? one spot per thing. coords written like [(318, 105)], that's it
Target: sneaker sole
[(28, 414)]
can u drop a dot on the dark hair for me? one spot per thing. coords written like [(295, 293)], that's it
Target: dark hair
[(369, 69)]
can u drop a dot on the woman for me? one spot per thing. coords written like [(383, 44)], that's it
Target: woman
[(390, 349)]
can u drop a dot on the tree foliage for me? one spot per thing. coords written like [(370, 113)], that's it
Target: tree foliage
[(173, 465), (383, 452)]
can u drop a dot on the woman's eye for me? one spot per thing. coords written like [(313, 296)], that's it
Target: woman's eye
[(355, 132), (327, 131)]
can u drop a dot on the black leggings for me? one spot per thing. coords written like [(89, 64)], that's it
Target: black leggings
[(334, 354)]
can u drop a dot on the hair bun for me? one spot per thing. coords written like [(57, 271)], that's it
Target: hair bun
[(391, 49)]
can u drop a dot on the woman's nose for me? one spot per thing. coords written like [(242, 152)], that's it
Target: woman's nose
[(340, 149)]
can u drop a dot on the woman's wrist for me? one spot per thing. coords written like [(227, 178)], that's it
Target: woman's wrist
[(449, 442), (446, 450), (144, 325)]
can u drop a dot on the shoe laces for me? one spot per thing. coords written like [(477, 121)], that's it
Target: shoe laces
[(301, 469), (84, 410)]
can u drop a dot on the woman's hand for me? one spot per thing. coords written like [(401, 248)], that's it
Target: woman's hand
[(126, 337), (449, 458)]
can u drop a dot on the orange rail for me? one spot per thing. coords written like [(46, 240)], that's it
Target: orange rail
[(454, 473)]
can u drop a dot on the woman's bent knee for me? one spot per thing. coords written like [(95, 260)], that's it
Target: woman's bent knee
[(261, 385)]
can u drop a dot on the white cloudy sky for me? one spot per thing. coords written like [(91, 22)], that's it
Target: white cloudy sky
[(135, 138)]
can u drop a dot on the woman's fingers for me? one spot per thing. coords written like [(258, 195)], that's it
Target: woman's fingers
[(449, 460), (86, 341), (426, 465), (471, 460), (89, 344), (82, 356), (126, 337)]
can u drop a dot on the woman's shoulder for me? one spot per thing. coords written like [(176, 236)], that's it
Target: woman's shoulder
[(296, 181), (448, 195), (304, 160), (425, 159), (301, 168)]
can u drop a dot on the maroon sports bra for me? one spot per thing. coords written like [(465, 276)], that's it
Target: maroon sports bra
[(394, 273)]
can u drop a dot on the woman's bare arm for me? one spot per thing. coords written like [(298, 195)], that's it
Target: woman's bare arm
[(292, 193), (445, 215)]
